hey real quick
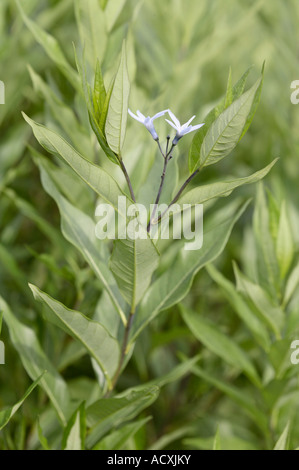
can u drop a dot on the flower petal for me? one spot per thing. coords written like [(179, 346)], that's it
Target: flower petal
[(134, 116), (140, 115), (198, 126), (171, 123), (159, 114), (190, 120), (175, 120)]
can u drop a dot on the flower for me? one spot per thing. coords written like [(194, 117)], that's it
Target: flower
[(181, 130), (148, 121)]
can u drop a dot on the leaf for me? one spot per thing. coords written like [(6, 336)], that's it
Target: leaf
[(113, 9), (283, 441), (284, 242), (92, 29), (63, 115), (133, 263), (176, 374), (220, 344), (202, 194), (227, 129), (242, 397), (75, 431), (79, 229), (231, 95), (115, 128), (291, 285), (217, 442), (52, 48), (99, 93), (8, 413), (96, 127), (97, 178), (117, 440), (256, 327), (36, 362), (108, 413), (176, 282), (270, 313), (267, 261), (100, 345)]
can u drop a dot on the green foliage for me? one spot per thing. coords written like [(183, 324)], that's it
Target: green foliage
[(148, 345)]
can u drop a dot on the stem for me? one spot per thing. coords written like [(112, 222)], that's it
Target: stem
[(167, 157), (166, 160), (123, 351), (179, 193), (124, 170)]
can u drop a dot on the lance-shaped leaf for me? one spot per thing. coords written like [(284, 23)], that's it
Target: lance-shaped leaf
[(75, 431), (176, 282), (232, 93), (133, 263), (272, 314), (107, 414), (116, 122), (79, 229), (227, 129), (206, 192), (242, 309), (97, 178), (52, 49), (96, 126), (99, 92), (92, 335), (225, 347), (91, 24), (36, 362), (8, 413)]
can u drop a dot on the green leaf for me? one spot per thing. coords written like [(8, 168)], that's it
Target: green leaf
[(99, 93), (291, 285), (36, 362), (106, 414), (42, 439), (217, 342), (100, 345), (97, 178), (8, 413), (103, 117), (96, 127), (117, 440), (283, 441), (79, 229), (270, 313), (176, 282), (92, 28), (75, 431), (241, 308), (267, 261), (115, 128), (52, 48), (284, 242), (63, 115), (217, 442), (202, 194), (231, 95), (242, 397), (133, 263), (113, 9), (227, 129)]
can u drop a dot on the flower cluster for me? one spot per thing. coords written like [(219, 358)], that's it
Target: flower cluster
[(181, 129)]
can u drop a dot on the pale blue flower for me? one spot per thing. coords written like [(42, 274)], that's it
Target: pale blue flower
[(148, 121), (183, 129)]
